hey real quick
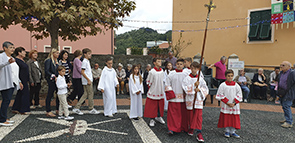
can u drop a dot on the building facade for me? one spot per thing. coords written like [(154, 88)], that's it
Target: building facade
[(241, 27), (99, 44)]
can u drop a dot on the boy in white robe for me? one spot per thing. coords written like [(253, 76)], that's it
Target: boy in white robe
[(107, 85), (191, 88), (136, 91), (154, 105), (230, 94), (177, 114)]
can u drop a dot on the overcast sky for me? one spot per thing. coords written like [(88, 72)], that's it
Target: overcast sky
[(149, 10)]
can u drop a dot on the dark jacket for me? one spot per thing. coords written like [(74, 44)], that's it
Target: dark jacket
[(50, 69), (255, 79), (290, 95), (34, 71)]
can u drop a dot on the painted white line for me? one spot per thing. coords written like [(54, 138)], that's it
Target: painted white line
[(144, 131), (17, 120), (104, 122), (113, 132)]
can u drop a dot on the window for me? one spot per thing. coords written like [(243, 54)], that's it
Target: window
[(260, 28), (47, 48), (68, 48)]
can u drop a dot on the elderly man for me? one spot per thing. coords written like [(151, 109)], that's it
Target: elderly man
[(286, 91), (171, 59), (96, 72), (220, 70)]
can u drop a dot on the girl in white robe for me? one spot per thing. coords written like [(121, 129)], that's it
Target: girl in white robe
[(136, 91), (107, 85)]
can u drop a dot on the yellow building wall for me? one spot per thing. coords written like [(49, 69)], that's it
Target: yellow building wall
[(229, 41)]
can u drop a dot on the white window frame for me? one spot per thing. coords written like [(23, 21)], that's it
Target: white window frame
[(50, 47), (67, 47), (248, 28)]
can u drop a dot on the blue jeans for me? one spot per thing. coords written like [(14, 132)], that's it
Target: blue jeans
[(272, 91), (286, 105), (6, 97), (246, 90)]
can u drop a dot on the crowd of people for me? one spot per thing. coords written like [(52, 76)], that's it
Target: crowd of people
[(179, 88)]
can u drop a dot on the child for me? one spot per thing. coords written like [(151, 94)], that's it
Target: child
[(192, 87), (230, 94), (187, 65), (167, 70), (154, 105), (62, 93), (136, 91), (107, 85), (87, 80), (177, 113)]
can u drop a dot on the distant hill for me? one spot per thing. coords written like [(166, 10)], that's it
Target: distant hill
[(138, 38)]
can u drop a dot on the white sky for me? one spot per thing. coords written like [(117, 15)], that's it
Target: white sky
[(149, 10)]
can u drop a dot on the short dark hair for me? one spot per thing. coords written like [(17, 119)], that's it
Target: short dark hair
[(195, 65), (18, 49), (277, 68), (59, 68), (77, 53), (6, 44), (189, 59), (86, 50), (228, 72), (109, 59), (155, 59), (180, 60), (61, 54)]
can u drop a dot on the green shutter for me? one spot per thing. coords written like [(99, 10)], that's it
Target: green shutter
[(264, 31), (253, 31)]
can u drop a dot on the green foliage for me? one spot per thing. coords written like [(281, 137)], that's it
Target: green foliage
[(136, 51), (138, 38), (69, 19), (158, 51)]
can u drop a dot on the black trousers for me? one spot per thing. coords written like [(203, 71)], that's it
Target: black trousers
[(51, 88), (34, 93), (77, 89)]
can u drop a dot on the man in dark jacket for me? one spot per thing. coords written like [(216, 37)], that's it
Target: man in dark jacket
[(286, 91)]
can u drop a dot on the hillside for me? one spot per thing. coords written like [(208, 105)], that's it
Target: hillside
[(138, 38)]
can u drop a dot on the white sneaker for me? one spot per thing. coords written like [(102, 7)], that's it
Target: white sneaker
[(152, 122), (160, 119), (77, 111), (10, 121), (111, 116), (61, 117), (69, 118), (245, 100), (69, 106), (94, 111), (6, 124), (32, 107)]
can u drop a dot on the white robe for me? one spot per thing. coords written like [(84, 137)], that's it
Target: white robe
[(136, 100), (189, 87), (231, 93), (165, 100), (108, 82), (189, 71), (174, 79), (155, 80)]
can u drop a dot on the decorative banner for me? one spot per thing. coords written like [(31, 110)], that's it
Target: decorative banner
[(277, 8), (276, 1), (288, 17), (288, 5), (277, 18)]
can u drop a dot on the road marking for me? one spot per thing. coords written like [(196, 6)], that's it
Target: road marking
[(17, 120), (144, 131)]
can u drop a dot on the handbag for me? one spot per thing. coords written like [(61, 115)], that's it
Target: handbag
[(282, 92)]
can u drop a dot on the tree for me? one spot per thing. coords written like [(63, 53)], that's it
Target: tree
[(179, 46), (69, 19)]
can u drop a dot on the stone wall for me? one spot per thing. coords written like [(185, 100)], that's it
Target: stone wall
[(100, 59)]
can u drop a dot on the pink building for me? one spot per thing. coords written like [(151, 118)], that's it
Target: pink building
[(100, 44)]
